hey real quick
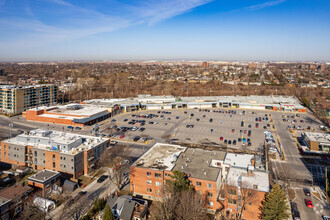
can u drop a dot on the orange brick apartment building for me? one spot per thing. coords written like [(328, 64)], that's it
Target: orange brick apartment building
[(71, 154), (72, 114), (222, 178), (149, 172)]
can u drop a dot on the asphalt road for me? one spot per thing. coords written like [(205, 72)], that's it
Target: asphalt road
[(293, 159), (309, 213)]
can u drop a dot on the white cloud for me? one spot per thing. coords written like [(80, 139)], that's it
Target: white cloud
[(75, 21), (265, 5)]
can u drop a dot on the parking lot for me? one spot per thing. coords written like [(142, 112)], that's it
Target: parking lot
[(234, 128)]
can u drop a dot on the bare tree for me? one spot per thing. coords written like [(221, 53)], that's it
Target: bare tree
[(184, 205), (115, 159), (75, 208)]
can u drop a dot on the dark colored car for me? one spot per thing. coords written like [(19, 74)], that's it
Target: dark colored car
[(234, 142), (229, 142), (225, 141), (307, 191), (125, 119), (102, 178), (136, 138), (142, 129), (211, 120)]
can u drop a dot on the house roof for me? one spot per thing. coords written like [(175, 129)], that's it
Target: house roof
[(44, 176), (15, 192), (123, 203)]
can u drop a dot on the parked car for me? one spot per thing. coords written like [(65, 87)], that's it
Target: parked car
[(142, 129), (234, 142), (102, 178), (221, 138), (233, 130), (136, 138), (229, 141), (113, 120), (307, 192), (122, 136), (211, 120), (125, 119), (308, 203), (225, 141)]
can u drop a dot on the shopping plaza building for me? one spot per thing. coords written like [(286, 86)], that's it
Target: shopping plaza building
[(148, 102)]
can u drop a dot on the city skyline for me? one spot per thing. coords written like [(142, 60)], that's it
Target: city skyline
[(273, 30)]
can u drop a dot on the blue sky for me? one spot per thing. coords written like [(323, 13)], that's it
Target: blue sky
[(42, 30)]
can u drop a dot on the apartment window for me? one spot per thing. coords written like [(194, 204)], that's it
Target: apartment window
[(5, 147), (198, 183), (250, 203), (231, 191), (5, 153), (158, 183), (209, 194), (167, 174), (211, 204), (35, 153), (148, 173), (44, 161), (232, 201), (209, 185), (53, 164), (249, 194), (35, 160), (61, 158), (255, 186), (43, 154), (149, 190), (158, 175), (54, 156), (149, 182)]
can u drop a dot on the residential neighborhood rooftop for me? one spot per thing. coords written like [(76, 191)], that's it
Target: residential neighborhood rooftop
[(44, 176), (198, 163), (257, 181), (238, 160), (68, 143)]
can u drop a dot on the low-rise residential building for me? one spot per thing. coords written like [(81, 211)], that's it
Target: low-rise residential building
[(71, 154), (17, 196), (128, 208), (202, 167), (16, 99), (4, 208), (319, 142), (71, 114), (244, 186), (46, 180)]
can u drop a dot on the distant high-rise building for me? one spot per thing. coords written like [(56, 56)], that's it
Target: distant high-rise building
[(2, 73), (205, 64), (16, 99)]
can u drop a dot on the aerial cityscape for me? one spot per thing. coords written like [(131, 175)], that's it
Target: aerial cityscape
[(165, 110)]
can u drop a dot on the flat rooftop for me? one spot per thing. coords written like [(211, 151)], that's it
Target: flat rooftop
[(56, 141), (243, 100), (238, 160), (258, 181), (318, 137), (44, 176), (24, 87), (78, 110), (160, 157), (197, 163)]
